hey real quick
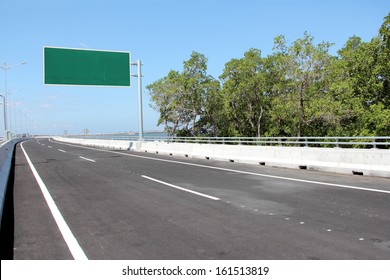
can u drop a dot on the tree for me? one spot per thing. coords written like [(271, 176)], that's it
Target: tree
[(304, 67), (166, 95), (245, 94), (182, 97), (359, 84), (196, 87), (383, 67), (212, 111)]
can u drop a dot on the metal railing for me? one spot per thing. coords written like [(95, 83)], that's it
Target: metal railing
[(382, 142)]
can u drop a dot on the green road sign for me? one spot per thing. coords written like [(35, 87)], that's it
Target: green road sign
[(64, 66)]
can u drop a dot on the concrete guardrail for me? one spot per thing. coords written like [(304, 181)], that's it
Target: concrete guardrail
[(372, 162), (111, 144), (6, 156)]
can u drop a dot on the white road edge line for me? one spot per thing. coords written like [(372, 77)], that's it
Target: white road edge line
[(180, 188), (73, 245), (91, 160), (62, 151), (234, 170)]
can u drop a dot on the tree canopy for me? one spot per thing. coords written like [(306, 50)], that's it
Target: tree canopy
[(298, 90)]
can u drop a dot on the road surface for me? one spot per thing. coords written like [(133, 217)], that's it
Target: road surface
[(93, 203)]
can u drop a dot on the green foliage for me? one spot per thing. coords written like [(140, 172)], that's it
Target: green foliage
[(298, 90), (304, 67), (184, 98), (245, 94)]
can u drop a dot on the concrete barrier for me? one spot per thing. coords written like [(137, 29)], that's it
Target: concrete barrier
[(111, 144), (372, 162), (6, 156)]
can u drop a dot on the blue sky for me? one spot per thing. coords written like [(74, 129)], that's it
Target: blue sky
[(160, 33)]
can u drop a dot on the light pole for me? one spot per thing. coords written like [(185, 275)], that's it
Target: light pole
[(5, 97)]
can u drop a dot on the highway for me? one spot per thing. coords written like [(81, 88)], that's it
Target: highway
[(106, 204)]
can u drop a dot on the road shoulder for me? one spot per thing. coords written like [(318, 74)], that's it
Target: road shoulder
[(36, 233)]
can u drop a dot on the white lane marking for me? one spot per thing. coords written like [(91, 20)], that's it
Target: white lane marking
[(235, 171), (91, 160), (180, 188), (73, 245), (62, 151), (49, 147)]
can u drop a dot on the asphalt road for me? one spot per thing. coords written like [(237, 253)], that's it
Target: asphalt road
[(126, 205)]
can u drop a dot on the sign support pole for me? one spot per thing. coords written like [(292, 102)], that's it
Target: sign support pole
[(140, 114)]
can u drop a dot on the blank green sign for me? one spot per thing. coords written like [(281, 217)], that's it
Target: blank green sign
[(86, 67)]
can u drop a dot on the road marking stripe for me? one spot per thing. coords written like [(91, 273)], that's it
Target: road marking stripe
[(62, 151), (49, 147), (236, 171), (73, 245), (180, 188), (87, 159)]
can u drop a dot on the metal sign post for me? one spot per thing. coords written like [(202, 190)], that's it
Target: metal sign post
[(140, 114)]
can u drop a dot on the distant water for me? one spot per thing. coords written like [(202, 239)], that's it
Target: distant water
[(123, 136), (154, 134)]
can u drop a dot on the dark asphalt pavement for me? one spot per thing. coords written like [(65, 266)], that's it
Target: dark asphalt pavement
[(126, 205)]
